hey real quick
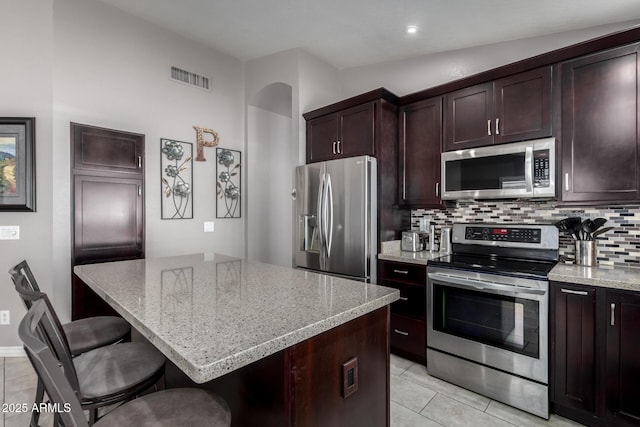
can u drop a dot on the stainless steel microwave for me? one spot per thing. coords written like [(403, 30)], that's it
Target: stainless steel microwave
[(517, 170)]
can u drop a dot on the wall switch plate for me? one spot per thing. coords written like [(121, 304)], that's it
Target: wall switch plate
[(208, 227), (9, 232), (4, 317)]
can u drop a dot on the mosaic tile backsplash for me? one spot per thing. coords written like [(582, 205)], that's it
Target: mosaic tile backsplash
[(620, 246)]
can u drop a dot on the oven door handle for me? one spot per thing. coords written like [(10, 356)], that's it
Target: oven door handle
[(485, 285)]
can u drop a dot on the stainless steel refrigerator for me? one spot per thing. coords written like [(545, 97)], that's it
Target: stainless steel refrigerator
[(336, 217)]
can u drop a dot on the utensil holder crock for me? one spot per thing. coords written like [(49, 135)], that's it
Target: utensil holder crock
[(586, 253)]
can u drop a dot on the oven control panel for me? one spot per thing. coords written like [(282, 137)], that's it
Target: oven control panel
[(503, 234)]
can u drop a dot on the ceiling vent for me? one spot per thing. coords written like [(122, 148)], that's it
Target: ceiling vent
[(183, 76)]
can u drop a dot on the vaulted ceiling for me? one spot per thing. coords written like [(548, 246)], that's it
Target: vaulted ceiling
[(348, 33)]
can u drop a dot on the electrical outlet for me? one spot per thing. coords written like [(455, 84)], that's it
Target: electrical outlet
[(208, 227), (4, 317)]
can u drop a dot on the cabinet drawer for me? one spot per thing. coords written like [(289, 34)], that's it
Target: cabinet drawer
[(412, 302), (408, 335), (404, 272)]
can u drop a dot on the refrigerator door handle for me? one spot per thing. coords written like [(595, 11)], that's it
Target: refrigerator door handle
[(320, 218), (329, 214)]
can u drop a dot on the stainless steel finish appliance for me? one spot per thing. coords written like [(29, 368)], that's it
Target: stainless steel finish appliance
[(413, 241), (336, 217), (516, 170), (487, 312)]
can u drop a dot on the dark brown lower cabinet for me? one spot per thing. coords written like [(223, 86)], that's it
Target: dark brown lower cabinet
[(408, 333), (623, 358), (595, 354)]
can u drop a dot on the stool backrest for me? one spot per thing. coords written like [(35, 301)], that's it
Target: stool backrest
[(53, 334), (46, 364), (23, 269)]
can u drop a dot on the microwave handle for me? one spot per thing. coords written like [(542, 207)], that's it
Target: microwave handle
[(528, 169)]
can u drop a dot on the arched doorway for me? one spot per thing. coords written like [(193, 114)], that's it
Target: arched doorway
[(269, 152)]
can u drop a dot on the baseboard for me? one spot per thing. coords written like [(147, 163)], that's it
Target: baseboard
[(17, 351)]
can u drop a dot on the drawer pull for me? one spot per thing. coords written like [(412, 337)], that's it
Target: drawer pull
[(401, 271), (404, 299), (569, 291), (397, 331)]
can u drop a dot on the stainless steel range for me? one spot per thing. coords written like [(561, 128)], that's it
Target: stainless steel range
[(487, 312)]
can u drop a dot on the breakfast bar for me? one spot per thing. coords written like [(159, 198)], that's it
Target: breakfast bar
[(283, 346)]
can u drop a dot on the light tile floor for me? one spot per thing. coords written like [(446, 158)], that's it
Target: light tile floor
[(417, 400)]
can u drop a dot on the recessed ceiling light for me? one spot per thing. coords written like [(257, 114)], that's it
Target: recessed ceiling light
[(412, 29)]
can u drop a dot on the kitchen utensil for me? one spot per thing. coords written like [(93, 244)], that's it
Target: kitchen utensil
[(601, 231), (599, 222), (574, 226), (588, 227)]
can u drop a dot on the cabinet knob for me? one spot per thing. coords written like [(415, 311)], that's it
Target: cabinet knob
[(613, 314), (339, 148), (566, 181), (489, 127), (334, 147), (401, 271), (437, 189), (398, 331), (497, 126)]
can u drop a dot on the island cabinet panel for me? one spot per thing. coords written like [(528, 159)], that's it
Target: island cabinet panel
[(573, 318), (408, 315), (514, 108), (325, 393), (347, 133), (601, 127), (623, 358), (419, 149)]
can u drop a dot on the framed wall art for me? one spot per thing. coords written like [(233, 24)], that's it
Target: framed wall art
[(176, 177), (17, 164), (228, 183)]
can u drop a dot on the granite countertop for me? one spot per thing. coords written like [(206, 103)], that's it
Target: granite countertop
[(625, 278), (211, 314), (422, 257)]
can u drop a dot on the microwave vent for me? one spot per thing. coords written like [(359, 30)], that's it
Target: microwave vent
[(187, 77)]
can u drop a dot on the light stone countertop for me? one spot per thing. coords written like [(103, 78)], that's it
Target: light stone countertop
[(211, 314), (422, 257), (605, 276)]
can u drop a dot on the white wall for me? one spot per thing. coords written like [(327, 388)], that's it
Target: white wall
[(313, 84), (269, 220), (86, 62), (422, 72), (26, 91)]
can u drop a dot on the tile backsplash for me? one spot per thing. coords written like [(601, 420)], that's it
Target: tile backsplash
[(620, 246)]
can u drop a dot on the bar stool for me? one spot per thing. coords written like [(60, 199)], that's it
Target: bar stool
[(103, 376), (175, 407), (84, 334)]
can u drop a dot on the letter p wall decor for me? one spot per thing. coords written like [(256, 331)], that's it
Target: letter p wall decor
[(201, 142)]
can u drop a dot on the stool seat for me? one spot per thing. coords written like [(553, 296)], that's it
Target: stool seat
[(93, 332), (115, 369), (170, 408)]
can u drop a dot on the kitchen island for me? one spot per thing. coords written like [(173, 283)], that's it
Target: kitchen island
[(283, 346)]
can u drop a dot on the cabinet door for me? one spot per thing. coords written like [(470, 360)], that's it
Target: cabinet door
[(573, 357), (356, 131), (600, 126), (623, 361), (109, 219), (420, 146), (523, 106), (99, 150), (468, 120), (322, 137)]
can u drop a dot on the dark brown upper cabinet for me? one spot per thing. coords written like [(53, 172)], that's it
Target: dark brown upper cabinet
[(600, 127), (514, 108), (98, 150), (346, 133), (419, 149)]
